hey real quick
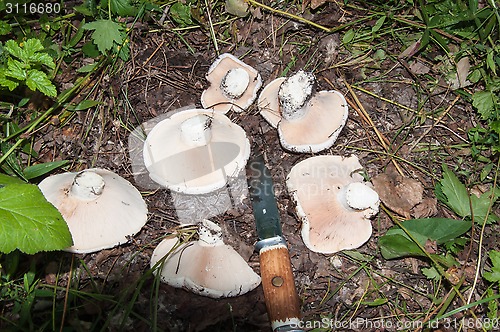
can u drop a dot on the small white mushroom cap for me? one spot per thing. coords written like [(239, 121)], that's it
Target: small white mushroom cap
[(309, 128), (333, 202), (206, 267), (233, 85), (195, 151), (101, 208)]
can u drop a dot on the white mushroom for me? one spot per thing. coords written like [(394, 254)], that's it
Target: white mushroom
[(333, 202), (101, 208), (206, 267), (233, 85), (307, 122), (268, 103), (195, 151), (293, 94)]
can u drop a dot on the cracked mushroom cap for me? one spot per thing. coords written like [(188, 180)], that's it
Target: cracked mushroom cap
[(195, 151), (333, 202), (233, 85), (101, 208), (307, 122), (206, 267)]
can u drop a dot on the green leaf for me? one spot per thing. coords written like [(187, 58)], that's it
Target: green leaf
[(16, 69), (6, 180), (494, 274), (181, 14), (83, 105), (431, 273), (90, 50), (30, 47), (8, 83), (106, 34), (481, 206), (38, 80), (28, 222), (14, 49), (123, 50), (440, 230), (34, 171), (77, 36), (455, 192), (87, 8), (348, 36), (484, 102), (492, 307), (396, 243), (378, 24), (490, 62), (5, 28), (375, 303), (87, 68), (122, 8), (43, 59)]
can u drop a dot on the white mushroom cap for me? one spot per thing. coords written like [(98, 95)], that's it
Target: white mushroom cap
[(311, 128), (333, 202), (195, 151), (101, 208), (268, 102), (206, 267), (325, 116), (233, 85)]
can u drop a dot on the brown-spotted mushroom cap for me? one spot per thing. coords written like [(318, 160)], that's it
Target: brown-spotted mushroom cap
[(101, 208), (195, 151), (206, 267), (233, 85), (333, 201), (307, 122)]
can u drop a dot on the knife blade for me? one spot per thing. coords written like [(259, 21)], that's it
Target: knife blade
[(280, 294)]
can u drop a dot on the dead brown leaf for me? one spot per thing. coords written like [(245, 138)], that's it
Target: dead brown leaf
[(398, 193), (427, 208), (316, 3)]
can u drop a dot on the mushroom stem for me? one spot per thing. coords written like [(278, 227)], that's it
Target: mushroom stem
[(293, 94), (87, 185), (359, 197), (196, 131), (235, 83), (210, 233)]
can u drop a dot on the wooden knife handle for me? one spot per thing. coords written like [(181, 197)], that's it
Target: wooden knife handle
[(282, 300)]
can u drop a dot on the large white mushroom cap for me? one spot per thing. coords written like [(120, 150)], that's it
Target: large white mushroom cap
[(101, 208), (206, 267), (307, 122), (195, 151), (333, 202), (233, 85)]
